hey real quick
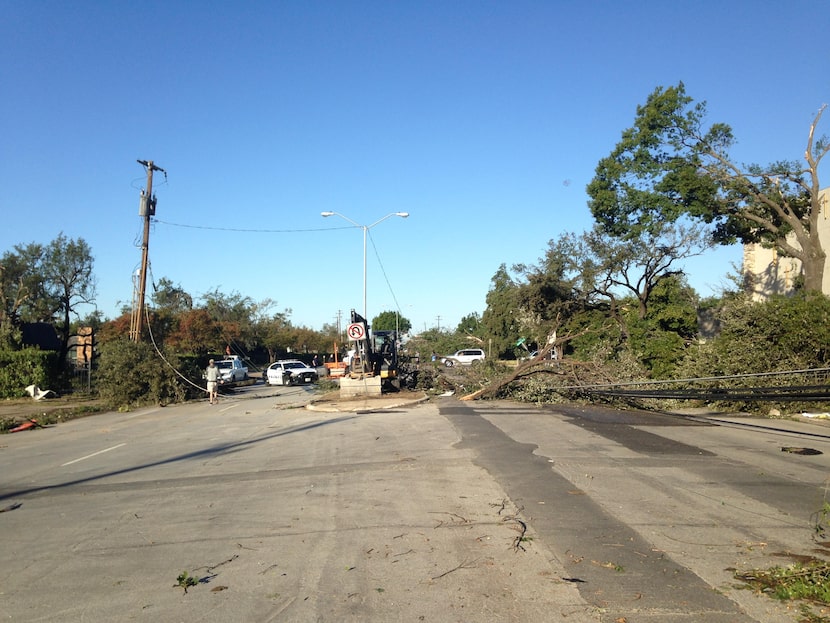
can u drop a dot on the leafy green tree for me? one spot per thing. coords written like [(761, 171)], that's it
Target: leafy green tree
[(545, 297), (598, 276), (45, 284), (21, 291), (499, 324), (655, 350), (304, 340), (668, 166), (470, 325), (437, 341), (234, 313), (275, 335), (265, 326), (195, 332), (390, 321), (115, 328), (69, 281), (595, 335), (612, 267), (170, 305), (244, 323), (674, 305), (659, 341), (169, 297), (332, 339), (595, 279), (94, 319)]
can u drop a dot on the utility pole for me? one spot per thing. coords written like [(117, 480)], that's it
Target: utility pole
[(146, 209)]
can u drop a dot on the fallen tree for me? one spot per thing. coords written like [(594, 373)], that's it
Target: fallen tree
[(541, 364)]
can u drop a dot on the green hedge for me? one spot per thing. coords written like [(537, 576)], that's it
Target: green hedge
[(29, 366), (131, 374)]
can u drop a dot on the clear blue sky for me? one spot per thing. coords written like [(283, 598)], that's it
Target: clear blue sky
[(483, 120)]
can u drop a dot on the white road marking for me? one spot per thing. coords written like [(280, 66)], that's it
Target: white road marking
[(89, 456)]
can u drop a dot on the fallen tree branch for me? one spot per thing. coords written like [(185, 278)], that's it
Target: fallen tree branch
[(523, 369)]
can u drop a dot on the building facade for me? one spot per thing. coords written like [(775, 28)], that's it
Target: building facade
[(767, 273)]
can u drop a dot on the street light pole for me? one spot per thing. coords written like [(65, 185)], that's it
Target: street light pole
[(365, 232), (365, 229)]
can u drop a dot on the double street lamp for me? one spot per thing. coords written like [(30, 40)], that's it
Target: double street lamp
[(365, 229)]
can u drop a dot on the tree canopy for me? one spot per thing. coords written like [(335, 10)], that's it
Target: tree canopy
[(45, 284), (669, 166), (391, 321)]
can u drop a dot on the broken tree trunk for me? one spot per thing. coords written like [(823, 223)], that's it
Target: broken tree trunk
[(493, 388)]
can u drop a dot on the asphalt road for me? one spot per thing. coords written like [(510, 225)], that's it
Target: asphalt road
[(441, 511)]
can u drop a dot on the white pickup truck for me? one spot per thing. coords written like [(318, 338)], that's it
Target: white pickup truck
[(231, 369)]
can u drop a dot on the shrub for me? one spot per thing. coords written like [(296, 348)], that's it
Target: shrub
[(28, 366), (783, 333), (132, 374), (779, 335)]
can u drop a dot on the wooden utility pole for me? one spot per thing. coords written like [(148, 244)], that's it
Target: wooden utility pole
[(146, 209)]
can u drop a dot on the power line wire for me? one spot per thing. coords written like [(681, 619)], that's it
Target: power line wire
[(251, 231), (385, 277)]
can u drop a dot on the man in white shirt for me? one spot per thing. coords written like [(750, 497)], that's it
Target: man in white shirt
[(213, 379)]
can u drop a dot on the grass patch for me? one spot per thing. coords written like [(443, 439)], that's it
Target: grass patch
[(808, 581), (48, 415)]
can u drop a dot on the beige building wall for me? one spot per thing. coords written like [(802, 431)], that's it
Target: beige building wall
[(824, 235), (767, 273)]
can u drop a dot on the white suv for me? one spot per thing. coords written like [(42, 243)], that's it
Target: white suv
[(465, 357), (231, 369)]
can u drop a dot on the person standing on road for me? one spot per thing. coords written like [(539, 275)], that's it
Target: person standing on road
[(213, 379)]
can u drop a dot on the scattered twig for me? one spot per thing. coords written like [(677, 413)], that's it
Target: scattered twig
[(462, 520), (517, 542), (267, 569), (463, 565), (501, 506), (409, 551), (216, 566), (240, 546)]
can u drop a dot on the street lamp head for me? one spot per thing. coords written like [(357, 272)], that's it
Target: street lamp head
[(326, 213), (402, 214)]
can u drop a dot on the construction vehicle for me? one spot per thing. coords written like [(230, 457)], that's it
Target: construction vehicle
[(375, 353), (385, 354)]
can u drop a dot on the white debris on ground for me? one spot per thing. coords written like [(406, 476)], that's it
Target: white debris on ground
[(39, 394)]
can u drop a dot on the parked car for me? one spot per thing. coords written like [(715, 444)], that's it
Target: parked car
[(231, 369), (465, 357), (290, 372)]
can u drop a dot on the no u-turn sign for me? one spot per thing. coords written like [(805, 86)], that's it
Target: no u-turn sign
[(356, 331)]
